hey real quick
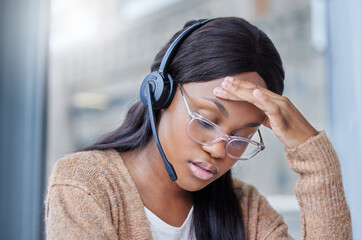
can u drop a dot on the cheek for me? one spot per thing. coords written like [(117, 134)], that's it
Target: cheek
[(172, 134)]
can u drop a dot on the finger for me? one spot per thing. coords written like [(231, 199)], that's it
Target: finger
[(228, 95), (241, 90), (221, 93), (272, 108), (239, 84), (269, 105), (235, 92), (244, 83)]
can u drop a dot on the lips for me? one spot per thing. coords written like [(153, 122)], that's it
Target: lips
[(203, 170), (207, 167)]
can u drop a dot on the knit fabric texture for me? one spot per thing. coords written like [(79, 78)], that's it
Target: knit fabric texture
[(91, 195)]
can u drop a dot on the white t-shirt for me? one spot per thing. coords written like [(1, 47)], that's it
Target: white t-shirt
[(163, 231)]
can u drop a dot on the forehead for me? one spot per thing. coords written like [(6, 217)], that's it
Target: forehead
[(201, 90)]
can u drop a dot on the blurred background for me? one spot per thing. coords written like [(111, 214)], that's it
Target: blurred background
[(69, 70)]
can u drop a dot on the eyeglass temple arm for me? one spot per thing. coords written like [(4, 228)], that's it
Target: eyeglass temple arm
[(261, 140), (183, 96)]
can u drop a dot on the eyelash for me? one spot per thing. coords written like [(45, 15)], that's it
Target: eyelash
[(212, 119)]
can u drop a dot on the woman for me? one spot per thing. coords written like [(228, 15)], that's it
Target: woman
[(228, 78)]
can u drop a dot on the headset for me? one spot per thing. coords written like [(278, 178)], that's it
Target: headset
[(157, 90)]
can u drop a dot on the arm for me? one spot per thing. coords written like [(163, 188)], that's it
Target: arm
[(319, 190), (324, 211)]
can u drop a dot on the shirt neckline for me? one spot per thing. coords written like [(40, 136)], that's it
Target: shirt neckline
[(159, 221)]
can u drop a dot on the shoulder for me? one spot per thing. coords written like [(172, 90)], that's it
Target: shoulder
[(88, 169), (75, 165)]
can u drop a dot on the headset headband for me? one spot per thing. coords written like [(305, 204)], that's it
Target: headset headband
[(176, 43)]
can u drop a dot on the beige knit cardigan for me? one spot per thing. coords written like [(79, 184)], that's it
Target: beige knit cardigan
[(91, 195)]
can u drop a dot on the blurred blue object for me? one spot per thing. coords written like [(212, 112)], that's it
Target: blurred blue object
[(23, 86), (345, 95)]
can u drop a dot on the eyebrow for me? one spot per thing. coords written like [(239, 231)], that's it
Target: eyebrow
[(252, 125), (223, 110), (219, 106)]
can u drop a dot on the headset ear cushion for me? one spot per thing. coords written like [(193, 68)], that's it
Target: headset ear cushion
[(161, 89), (171, 91)]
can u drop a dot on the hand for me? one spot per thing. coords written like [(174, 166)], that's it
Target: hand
[(282, 117)]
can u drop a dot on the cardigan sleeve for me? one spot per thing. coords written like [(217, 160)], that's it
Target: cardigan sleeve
[(320, 194), (75, 207), (319, 189)]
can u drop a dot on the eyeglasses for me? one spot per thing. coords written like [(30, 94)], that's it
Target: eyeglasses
[(205, 132)]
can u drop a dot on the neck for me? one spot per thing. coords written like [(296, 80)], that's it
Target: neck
[(158, 192)]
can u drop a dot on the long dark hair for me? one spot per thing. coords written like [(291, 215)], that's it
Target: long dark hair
[(222, 47)]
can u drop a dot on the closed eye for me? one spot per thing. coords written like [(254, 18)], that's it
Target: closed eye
[(205, 124), (238, 144), (244, 133)]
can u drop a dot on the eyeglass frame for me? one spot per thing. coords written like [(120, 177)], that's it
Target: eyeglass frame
[(223, 136)]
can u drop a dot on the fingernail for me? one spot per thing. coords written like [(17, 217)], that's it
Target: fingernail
[(217, 90), (226, 84), (230, 79)]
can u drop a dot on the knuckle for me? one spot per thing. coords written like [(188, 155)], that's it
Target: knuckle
[(284, 104), (275, 110), (236, 88), (285, 100)]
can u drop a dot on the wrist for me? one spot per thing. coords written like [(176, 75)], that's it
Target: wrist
[(301, 138)]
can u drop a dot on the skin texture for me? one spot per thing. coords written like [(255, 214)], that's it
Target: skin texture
[(246, 99)]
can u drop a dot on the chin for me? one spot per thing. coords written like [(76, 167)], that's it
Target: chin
[(193, 185)]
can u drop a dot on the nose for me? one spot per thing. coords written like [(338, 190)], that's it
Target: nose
[(216, 150)]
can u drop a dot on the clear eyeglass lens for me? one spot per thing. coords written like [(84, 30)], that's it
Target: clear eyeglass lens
[(241, 149), (204, 133)]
